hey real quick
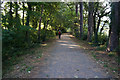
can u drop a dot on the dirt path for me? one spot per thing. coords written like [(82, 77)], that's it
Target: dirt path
[(66, 60)]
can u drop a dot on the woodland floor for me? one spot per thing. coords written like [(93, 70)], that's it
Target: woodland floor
[(65, 58)]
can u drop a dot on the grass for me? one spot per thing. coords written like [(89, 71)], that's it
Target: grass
[(94, 55), (26, 68), (47, 75), (105, 65), (111, 54), (17, 58), (113, 69), (101, 48), (118, 59)]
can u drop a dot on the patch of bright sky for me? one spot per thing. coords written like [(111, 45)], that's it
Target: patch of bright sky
[(106, 28)]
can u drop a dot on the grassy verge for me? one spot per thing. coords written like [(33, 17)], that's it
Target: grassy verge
[(13, 60), (25, 58)]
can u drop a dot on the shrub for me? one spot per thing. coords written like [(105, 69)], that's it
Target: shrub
[(14, 40), (47, 34)]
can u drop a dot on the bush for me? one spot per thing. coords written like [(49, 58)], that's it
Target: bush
[(47, 34), (84, 37), (102, 39), (15, 40)]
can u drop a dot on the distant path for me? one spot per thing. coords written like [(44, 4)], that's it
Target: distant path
[(67, 60)]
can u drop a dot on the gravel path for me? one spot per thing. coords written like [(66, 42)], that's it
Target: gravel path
[(67, 60)]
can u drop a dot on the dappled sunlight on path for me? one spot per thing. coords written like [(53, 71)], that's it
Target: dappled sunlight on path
[(67, 60)]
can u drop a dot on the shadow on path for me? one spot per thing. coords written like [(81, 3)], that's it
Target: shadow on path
[(67, 60)]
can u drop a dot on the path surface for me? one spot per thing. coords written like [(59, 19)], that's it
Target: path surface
[(67, 60)]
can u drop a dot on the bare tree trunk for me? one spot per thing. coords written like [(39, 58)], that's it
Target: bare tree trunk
[(76, 5), (113, 44), (102, 29), (94, 17), (17, 19), (40, 23), (16, 10), (96, 32), (48, 20), (27, 21), (23, 13), (90, 21), (81, 19), (11, 17), (76, 20)]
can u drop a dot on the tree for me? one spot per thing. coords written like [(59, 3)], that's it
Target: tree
[(99, 12), (23, 12), (40, 23), (10, 18), (90, 21), (76, 6), (81, 19), (17, 19), (76, 20), (27, 20), (114, 35), (105, 22)]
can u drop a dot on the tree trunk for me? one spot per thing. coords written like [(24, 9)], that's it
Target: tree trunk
[(90, 21), (109, 30), (76, 5), (35, 20), (96, 32), (48, 20), (23, 13), (94, 18), (81, 19), (113, 44), (94, 21), (45, 28), (40, 23), (102, 29), (11, 17), (17, 20), (47, 23), (16, 10), (76, 20), (27, 20), (44, 31), (28, 14)]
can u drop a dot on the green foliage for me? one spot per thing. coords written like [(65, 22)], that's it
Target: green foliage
[(111, 54), (101, 48), (14, 41), (84, 36), (105, 65), (47, 34), (118, 59), (102, 39), (16, 37), (94, 55)]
